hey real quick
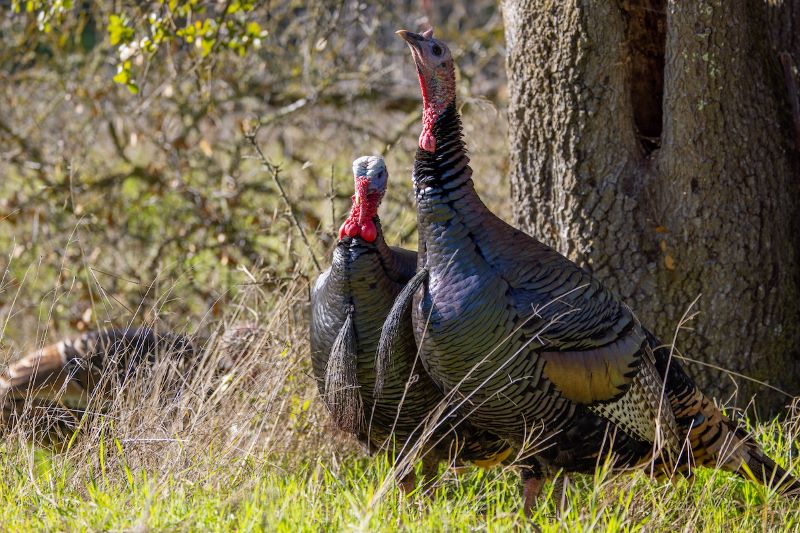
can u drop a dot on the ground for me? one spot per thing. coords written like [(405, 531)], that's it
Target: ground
[(154, 208)]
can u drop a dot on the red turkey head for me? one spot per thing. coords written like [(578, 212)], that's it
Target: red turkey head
[(370, 177), (437, 80)]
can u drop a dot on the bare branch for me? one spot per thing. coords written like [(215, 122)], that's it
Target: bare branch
[(274, 172)]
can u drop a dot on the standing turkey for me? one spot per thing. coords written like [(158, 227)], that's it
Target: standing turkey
[(349, 303), (532, 342), (55, 385)]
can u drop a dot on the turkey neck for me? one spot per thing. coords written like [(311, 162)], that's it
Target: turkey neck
[(351, 257), (447, 168), (444, 177)]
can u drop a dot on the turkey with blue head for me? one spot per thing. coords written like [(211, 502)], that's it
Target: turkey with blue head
[(349, 303)]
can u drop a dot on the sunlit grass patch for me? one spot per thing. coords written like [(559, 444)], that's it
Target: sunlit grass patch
[(222, 493)]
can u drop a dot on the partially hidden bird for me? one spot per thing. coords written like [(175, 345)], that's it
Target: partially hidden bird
[(55, 385), (349, 303), (534, 344)]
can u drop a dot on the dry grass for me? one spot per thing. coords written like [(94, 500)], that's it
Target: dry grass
[(252, 449), (154, 210)]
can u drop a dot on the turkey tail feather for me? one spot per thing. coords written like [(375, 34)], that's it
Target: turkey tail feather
[(759, 467), (715, 440), (390, 332), (342, 390)]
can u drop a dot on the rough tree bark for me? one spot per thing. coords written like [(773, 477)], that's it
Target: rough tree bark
[(656, 143)]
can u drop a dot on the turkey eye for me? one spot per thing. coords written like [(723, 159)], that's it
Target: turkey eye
[(437, 50)]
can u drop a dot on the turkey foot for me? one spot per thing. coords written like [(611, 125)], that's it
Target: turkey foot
[(408, 483), (532, 484)]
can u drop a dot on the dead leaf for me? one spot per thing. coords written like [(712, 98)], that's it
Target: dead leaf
[(205, 147)]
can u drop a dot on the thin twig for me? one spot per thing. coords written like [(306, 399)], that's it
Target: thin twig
[(274, 172), (687, 316), (732, 373), (332, 198)]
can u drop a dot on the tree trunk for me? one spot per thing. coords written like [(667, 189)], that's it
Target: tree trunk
[(656, 144)]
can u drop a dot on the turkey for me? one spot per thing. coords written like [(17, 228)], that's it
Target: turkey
[(533, 343), (349, 303), (58, 383)]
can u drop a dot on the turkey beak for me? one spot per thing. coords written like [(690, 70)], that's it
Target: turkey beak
[(413, 40)]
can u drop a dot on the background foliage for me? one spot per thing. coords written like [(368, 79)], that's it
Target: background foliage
[(132, 192), (125, 158)]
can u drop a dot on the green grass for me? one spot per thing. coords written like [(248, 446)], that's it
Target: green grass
[(40, 491)]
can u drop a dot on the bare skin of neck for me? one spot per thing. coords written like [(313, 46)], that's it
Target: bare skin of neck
[(365, 207), (438, 91)]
